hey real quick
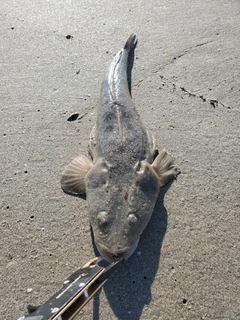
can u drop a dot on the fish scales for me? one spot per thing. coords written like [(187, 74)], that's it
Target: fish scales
[(120, 130)]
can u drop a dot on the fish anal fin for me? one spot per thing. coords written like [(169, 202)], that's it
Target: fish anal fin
[(73, 176), (164, 167)]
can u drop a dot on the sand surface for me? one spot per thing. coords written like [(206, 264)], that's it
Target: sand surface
[(186, 88)]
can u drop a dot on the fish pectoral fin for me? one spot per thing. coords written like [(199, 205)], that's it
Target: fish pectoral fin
[(72, 180), (164, 167)]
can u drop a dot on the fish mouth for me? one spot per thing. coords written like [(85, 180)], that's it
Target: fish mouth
[(111, 255)]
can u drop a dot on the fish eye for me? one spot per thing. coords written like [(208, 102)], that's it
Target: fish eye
[(104, 166), (132, 219), (102, 218)]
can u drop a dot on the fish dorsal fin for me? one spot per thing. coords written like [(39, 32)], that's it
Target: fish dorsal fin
[(73, 176)]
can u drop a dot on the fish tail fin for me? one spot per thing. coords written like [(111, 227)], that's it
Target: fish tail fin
[(131, 42)]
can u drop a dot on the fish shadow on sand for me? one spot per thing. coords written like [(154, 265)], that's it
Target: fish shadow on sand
[(129, 289), (129, 69)]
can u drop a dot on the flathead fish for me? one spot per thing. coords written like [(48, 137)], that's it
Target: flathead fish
[(123, 179)]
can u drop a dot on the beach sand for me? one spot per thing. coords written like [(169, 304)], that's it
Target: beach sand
[(185, 86)]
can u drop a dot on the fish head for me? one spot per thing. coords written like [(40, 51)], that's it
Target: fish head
[(120, 206)]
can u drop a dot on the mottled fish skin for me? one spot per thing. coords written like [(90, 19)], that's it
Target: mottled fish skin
[(122, 184), (120, 134)]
